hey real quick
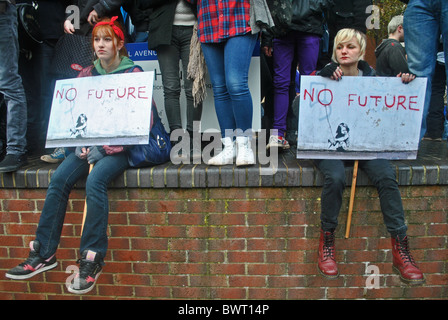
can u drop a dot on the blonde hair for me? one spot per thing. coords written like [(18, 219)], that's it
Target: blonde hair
[(347, 34)]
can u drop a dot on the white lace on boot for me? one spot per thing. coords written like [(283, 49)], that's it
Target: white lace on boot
[(245, 155), (226, 156)]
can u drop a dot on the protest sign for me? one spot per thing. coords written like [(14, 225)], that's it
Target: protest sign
[(102, 110), (359, 118)]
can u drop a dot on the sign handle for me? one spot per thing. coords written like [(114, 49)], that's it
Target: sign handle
[(352, 199), (85, 207)]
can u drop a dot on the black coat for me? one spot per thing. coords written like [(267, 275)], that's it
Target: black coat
[(161, 21), (104, 8), (306, 16), (138, 13)]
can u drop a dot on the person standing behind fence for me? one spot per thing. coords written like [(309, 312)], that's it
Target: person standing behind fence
[(228, 43), (109, 162), (170, 32), (12, 88), (300, 43), (424, 21), (349, 49), (390, 54), (435, 121)]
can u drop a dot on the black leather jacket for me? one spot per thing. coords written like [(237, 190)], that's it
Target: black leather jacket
[(307, 16)]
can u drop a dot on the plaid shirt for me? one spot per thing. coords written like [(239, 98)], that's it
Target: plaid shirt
[(219, 20)]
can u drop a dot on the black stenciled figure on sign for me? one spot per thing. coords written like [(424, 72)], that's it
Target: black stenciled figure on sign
[(341, 142), (80, 129)]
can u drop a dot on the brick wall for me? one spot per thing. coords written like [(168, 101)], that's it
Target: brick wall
[(230, 243)]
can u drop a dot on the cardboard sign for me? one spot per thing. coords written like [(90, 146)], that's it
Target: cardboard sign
[(359, 118), (147, 59), (103, 110)]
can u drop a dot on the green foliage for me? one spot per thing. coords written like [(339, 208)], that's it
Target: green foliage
[(388, 10)]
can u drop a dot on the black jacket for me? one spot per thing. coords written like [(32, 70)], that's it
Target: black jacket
[(138, 13), (306, 16), (104, 8), (161, 21), (391, 58), (51, 16), (348, 14), (367, 71)]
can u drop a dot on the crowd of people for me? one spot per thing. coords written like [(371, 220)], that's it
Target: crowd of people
[(325, 37)]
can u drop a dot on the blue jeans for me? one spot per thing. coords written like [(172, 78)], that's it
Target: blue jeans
[(11, 83), (382, 176), (71, 170), (424, 20), (228, 66)]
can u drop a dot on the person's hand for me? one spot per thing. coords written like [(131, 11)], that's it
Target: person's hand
[(81, 152), (406, 77), (93, 17), (332, 71), (267, 51), (95, 154), (68, 27)]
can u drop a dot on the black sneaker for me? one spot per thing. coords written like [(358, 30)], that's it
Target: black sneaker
[(12, 162), (89, 271), (33, 265)]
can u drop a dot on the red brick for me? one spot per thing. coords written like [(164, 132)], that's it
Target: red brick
[(168, 256), (226, 219), (228, 268), (230, 243), (238, 256), (18, 205), (167, 231), (268, 293), (227, 293), (153, 292), (306, 293), (186, 219)]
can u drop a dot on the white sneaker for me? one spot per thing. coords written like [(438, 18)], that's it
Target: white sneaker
[(278, 142), (226, 156), (245, 155)]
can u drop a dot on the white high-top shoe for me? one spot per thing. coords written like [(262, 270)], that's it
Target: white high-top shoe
[(226, 156), (245, 155)]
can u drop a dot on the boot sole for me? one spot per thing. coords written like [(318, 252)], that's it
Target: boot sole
[(75, 291), (32, 274), (326, 276), (415, 282)]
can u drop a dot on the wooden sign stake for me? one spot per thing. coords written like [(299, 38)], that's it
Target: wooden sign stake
[(352, 199)]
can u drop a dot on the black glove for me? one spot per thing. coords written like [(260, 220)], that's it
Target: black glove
[(95, 154), (328, 70)]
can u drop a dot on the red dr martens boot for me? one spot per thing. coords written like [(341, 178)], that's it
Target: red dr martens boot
[(404, 264), (326, 261)]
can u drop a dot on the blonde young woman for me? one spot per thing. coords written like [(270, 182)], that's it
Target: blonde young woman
[(108, 44), (348, 52)]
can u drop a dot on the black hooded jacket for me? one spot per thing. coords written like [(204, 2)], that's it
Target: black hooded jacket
[(390, 58)]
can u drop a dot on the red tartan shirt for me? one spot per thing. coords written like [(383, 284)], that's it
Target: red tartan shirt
[(219, 20)]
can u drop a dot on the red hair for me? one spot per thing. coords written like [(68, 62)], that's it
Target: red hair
[(108, 27)]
